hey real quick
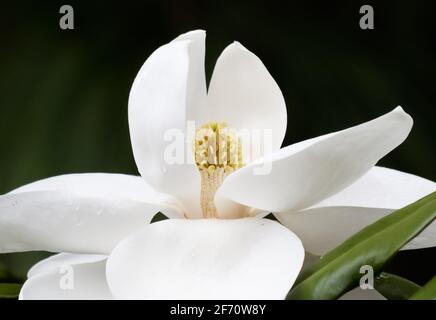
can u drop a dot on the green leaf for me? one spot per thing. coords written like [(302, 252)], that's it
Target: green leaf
[(9, 290), (339, 270), (394, 287), (427, 292)]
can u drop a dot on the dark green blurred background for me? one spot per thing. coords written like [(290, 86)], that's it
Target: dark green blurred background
[(63, 94)]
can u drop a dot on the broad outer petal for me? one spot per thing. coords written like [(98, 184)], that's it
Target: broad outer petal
[(308, 172), (57, 261), (243, 94), (381, 188), (168, 89), (67, 277), (248, 258), (376, 194), (323, 229), (88, 213)]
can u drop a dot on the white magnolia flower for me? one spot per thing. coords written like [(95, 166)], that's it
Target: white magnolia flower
[(323, 189)]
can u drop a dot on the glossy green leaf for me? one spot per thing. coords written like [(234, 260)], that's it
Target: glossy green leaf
[(9, 290), (339, 270), (394, 287), (427, 292)]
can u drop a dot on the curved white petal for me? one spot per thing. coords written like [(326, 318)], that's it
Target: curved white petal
[(305, 173), (376, 194), (168, 89), (67, 277), (323, 229), (382, 188), (55, 262), (228, 209), (87, 213), (196, 82), (362, 294), (206, 259), (243, 94)]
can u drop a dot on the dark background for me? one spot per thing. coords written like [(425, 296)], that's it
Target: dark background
[(63, 93)]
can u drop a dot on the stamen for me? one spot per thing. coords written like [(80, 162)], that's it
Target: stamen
[(217, 151)]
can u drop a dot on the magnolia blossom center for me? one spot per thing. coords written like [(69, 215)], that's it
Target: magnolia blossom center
[(217, 151)]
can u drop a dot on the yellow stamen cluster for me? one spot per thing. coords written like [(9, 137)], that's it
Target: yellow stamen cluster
[(217, 151), (217, 146)]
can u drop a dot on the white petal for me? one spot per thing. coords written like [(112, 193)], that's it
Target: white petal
[(361, 294), (376, 194), (228, 209), (243, 94), (382, 188), (53, 263), (87, 213), (196, 83), (67, 277), (166, 92), (308, 172), (323, 229), (206, 259)]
